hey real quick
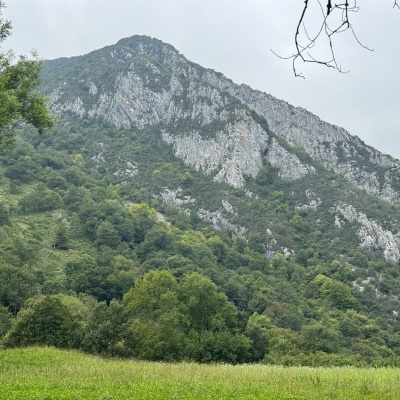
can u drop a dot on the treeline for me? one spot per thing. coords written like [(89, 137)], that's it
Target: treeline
[(86, 263), (163, 318), (158, 319)]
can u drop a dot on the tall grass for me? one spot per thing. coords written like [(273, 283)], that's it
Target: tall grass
[(45, 373)]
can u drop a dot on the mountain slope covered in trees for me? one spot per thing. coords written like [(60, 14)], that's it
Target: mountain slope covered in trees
[(174, 215)]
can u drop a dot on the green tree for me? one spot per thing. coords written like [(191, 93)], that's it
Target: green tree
[(282, 341), (123, 275), (5, 320), (211, 322), (24, 169), (264, 176), (83, 275), (74, 176), (218, 247), (155, 320), (16, 285), (194, 246), (55, 181), (147, 296), (4, 213), (19, 100), (180, 265), (190, 319), (336, 293), (206, 307), (61, 237), (322, 336), (290, 317), (105, 329), (107, 235), (40, 199), (256, 243), (257, 330), (54, 320), (359, 260), (156, 239), (144, 218), (187, 179)]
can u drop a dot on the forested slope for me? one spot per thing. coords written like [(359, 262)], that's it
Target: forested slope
[(164, 219), (89, 262)]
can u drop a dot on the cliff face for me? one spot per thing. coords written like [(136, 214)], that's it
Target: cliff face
[(225, 130), (333, 146), (154, 85)]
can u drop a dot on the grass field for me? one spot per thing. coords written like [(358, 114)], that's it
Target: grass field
[(45, 373)]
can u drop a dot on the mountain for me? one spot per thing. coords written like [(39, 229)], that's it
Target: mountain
[(166, 180), (230, 133), (149, 83)]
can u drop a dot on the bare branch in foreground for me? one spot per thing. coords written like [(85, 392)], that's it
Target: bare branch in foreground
[(336, 21)]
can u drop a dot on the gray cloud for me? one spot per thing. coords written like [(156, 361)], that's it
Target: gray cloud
[(235, 37)]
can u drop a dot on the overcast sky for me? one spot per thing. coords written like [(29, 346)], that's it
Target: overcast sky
[(235, 37)]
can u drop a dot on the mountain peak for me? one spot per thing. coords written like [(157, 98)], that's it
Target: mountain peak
[(143, 42), (144, 83)]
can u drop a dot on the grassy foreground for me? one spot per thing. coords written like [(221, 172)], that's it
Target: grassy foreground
[(45, 373)]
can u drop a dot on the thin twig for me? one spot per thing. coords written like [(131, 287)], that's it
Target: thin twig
[(304, 42)]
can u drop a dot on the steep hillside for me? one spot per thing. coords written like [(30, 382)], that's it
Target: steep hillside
[(166, 189)]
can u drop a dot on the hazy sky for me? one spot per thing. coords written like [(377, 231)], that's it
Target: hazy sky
[(235, 37)]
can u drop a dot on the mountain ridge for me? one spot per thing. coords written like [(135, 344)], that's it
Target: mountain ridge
[(329, 144)]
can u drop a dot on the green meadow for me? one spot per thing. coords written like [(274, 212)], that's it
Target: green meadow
[(47, 373)]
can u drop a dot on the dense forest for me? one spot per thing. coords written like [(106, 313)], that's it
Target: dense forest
[(94, 261)]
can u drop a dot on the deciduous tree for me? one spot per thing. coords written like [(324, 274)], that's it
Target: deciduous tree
[(54, 320), (19, 99)]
